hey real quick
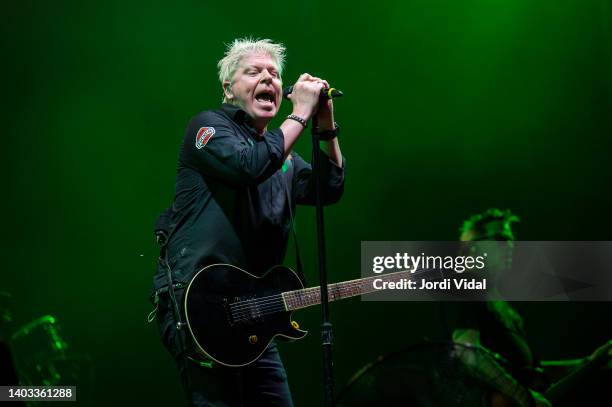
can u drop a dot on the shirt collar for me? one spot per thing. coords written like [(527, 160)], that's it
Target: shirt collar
[(236, 114), (240, 117)]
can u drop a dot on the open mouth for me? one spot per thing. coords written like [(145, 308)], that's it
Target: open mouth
[(266, 98)]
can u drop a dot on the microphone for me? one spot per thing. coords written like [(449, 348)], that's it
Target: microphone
[(326, 93)]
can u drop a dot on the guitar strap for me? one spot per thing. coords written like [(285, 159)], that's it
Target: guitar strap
[(298, 259), (180, 336)]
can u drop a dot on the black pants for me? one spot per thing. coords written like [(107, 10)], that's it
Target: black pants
[(262, 383)]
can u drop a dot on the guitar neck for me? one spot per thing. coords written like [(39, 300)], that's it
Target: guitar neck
[(307, 297)]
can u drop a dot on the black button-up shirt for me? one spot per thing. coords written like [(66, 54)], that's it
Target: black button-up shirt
[(230, 204)]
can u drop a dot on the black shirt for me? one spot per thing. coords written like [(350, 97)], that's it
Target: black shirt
[(230, 203)]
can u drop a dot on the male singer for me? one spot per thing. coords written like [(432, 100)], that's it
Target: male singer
[(237, 184)]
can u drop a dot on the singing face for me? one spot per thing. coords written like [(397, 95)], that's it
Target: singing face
[(256, 88)]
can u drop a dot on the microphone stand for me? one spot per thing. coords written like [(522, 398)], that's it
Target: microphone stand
[(326, 326)]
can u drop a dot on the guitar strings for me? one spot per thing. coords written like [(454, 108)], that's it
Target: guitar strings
[(304, 296), (334, 288), (252, 310), (300, 294), (272, 298), (244, 310), (264, 301), (247, 309)]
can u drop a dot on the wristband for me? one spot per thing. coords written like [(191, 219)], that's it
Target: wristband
[(328, 135), (298, 119)]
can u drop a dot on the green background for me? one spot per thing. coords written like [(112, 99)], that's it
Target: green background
[(450, 108)]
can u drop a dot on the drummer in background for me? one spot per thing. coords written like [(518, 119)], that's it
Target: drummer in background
[(497, 326)]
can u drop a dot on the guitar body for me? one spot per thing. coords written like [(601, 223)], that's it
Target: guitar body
[(233, 315)]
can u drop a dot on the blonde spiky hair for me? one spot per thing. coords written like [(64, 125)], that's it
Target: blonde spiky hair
[(241, 47)]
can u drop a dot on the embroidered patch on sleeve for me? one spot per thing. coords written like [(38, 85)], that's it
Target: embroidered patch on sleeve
[(203, 136)]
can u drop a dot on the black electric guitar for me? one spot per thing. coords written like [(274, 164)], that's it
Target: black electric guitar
[(233, 315)]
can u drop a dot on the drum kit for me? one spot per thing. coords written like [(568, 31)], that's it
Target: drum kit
[(429, 374), (40, 355)]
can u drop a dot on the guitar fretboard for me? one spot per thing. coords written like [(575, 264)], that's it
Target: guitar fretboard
[(307, 297)]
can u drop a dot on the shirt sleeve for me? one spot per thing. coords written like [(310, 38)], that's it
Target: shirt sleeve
[(215, 148), (332, 186)]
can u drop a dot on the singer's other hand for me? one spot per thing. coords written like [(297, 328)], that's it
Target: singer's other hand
[(325, 110), (325, 115), (305, 95)]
